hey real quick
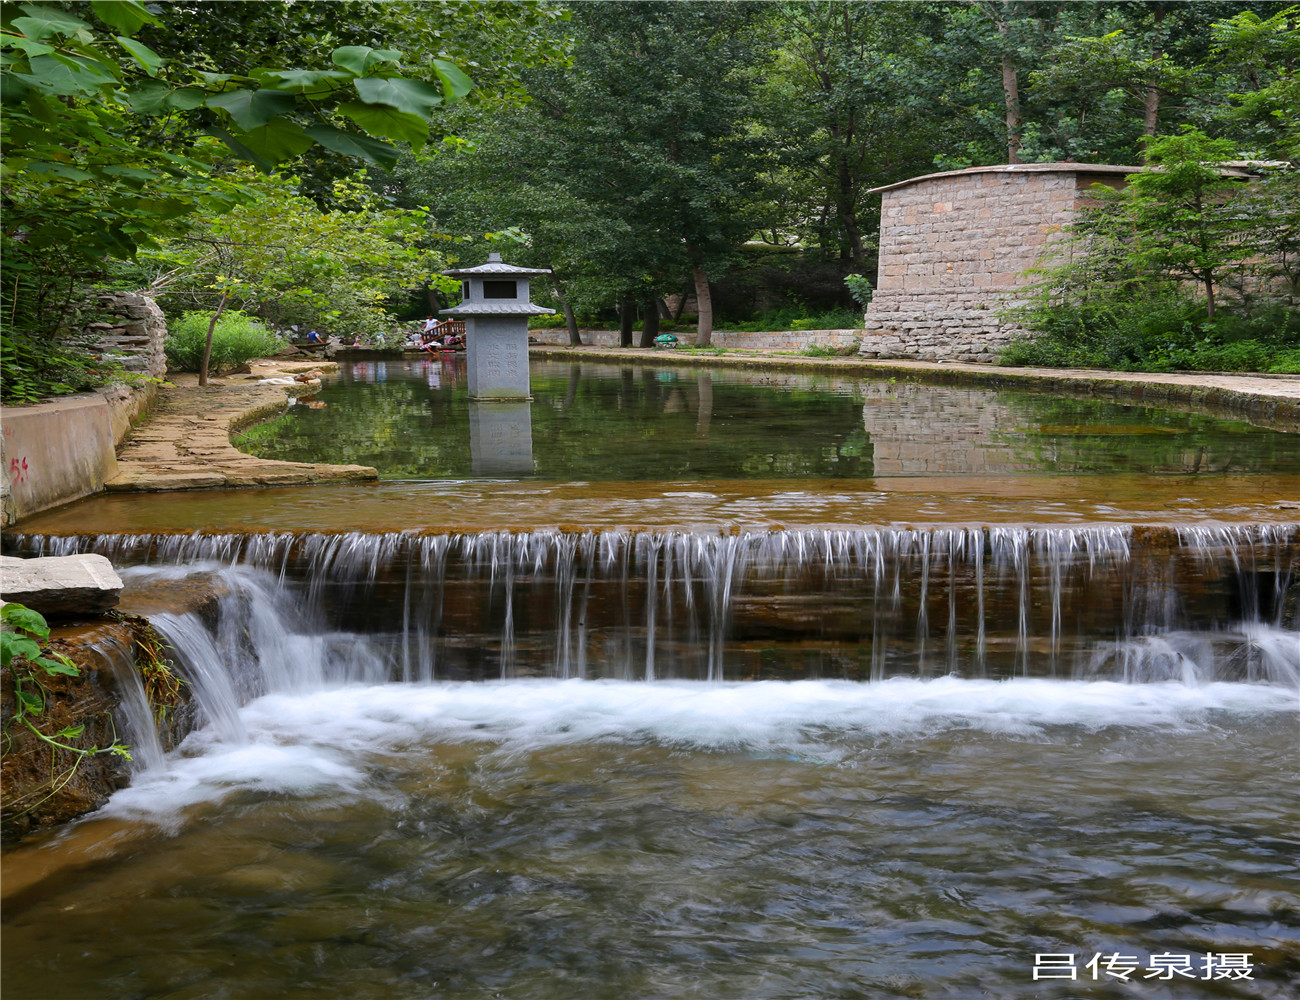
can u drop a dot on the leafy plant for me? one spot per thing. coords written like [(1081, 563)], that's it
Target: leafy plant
[(236, 340), (23, 656), (860, 288), (33, 368)]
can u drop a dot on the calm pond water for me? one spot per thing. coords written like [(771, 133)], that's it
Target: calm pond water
[(589, 422)]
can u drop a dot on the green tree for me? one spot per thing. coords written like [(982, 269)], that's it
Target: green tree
[(1186, 219), (281, 258), (108, 145), (651, 126)]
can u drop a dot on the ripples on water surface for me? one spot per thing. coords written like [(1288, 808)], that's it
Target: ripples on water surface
[(605, 839)]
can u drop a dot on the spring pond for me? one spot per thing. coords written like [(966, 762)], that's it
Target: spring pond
[(637, 721)]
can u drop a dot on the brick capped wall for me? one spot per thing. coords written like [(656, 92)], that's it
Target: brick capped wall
[(953, 251)]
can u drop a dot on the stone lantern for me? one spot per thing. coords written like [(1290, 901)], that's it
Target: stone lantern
[(496, 310)]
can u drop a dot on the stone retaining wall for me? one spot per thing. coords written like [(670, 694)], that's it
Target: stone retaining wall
[(779, 340), (954, 248), (132, 331)]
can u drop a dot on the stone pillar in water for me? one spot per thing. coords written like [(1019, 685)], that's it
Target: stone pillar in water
[(501, 437), (496, 310)]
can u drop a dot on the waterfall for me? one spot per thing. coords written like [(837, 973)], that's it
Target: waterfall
[(1108, 602)]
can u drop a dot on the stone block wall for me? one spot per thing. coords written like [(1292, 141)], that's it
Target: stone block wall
[(953, 251), (778, 340), (131, 330)]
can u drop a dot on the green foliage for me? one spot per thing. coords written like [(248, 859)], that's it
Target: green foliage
[(285, 260), (33, 368), (1160, 333), (860, 288), (825, 351), (236, 340), (1116, 291), (22, 655), (796, 317)]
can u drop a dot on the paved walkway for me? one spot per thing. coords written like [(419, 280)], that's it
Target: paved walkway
[(184, 443), (1271, 400)]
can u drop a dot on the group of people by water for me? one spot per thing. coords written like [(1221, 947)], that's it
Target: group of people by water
[(432, 338)]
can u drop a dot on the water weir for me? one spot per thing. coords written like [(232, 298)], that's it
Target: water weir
[(1110, 602)]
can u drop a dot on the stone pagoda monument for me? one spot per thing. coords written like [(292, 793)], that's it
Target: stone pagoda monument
[(496, 310)]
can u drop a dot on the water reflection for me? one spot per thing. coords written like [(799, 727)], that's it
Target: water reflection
[(501, 438), (642, 423)]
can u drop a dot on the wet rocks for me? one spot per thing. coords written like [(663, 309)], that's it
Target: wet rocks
[(60, 586)]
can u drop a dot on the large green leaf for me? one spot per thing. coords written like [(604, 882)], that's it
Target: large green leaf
[(351, 144), (361, 59), (125, 15), (252, 109), (455, 84), (28, 45), (380, 119), (25, 618), (45, 22), (66, 76), (310, 82), (152, 97), (276, 141), (411, 96), (149, 60)]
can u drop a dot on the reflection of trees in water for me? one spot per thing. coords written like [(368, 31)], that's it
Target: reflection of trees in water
[(645, 422), (1084, 435), (633, 423)]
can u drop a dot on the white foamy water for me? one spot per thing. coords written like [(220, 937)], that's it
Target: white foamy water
[(323, 742)]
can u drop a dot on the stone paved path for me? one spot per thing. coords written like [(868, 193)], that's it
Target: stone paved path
[(184, 443)]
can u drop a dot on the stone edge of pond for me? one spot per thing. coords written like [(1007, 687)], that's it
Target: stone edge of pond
[(1249, 400), (185, 441)]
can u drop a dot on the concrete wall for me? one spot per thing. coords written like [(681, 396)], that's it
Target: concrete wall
[(66, 448), (953, 251), (783, 340)]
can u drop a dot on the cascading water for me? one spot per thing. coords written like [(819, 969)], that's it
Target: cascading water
[(554, 764), (1100, 602)]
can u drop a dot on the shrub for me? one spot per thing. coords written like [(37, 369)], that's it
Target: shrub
[(1159, 333), (34, 367), (237, 340)]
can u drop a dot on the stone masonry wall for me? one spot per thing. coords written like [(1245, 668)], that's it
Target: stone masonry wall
[(132, 331), (953, 250), (781, 340)]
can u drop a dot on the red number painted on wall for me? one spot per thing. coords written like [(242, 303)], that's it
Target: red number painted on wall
[(18, 470)]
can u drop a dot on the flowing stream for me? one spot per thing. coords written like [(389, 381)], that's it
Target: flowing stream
[(801, 763)]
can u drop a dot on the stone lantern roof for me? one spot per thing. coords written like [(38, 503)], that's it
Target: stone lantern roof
[(495, 267), (489, 291)]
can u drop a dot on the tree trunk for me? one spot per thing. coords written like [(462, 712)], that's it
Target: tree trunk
[(207, 346), (704, 327), (664, 311), (626, 315), (571, 321), (681, 305), (1209, 298), (704, 412), (1151, 99), (650, 328), (1011, 91)]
